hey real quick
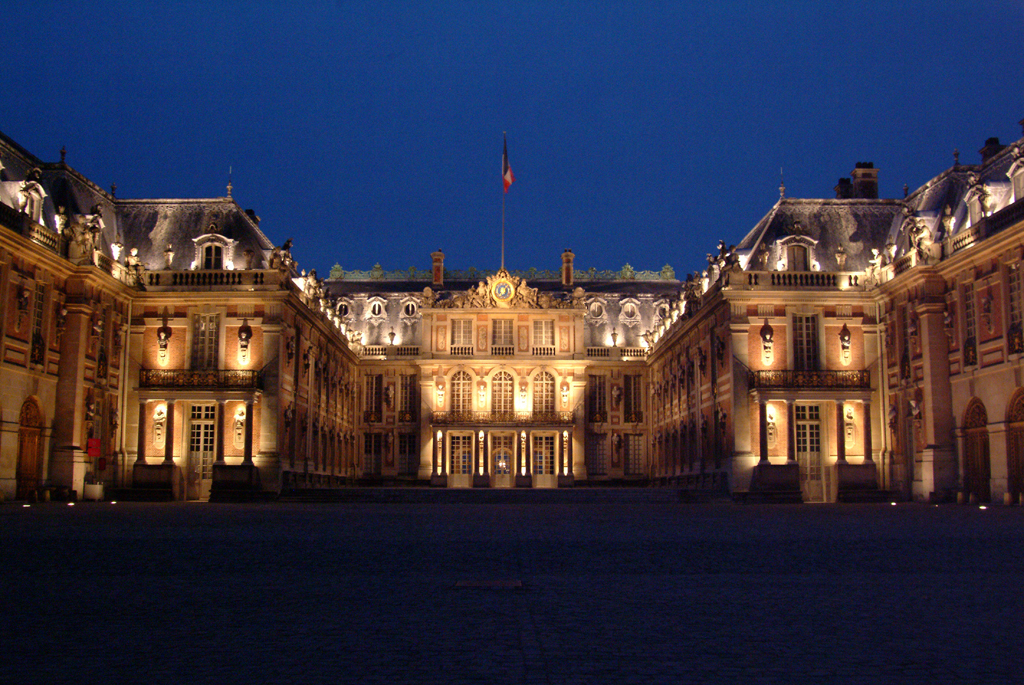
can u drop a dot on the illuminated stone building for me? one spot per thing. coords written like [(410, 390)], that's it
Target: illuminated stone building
[(844, 348)]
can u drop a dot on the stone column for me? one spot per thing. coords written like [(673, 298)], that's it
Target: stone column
[(221, 430), (840, 433), (528, 456), (868, 457), (485, 461), (247, 459), (70, 461), (763, 430), (568, 454), (791, 417), (140, 455), (939, 459), (169, 434)]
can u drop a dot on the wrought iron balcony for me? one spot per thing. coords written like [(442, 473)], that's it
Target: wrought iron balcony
[(510, 418), (189, 379), (824, 380)]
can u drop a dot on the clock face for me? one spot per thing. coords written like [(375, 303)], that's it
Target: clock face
[(503, 291)]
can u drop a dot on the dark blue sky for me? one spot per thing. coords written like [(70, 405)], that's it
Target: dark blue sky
[(638, 132)]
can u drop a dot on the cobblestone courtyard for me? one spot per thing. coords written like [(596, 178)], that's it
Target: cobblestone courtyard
[(613, 592)]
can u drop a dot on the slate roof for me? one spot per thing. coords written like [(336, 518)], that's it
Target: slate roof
[(856, 224)]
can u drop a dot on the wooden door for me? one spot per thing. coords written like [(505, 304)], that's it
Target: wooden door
[(30, 433)]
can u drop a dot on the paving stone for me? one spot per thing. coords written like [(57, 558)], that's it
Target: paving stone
[(611, 592)]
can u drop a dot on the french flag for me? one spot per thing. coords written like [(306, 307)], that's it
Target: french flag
[(506, 171)]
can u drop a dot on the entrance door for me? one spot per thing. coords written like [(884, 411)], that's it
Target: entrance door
[(977, 469), (808, 452), (502, 455), (30, 431), (461, 461), (202, 445)]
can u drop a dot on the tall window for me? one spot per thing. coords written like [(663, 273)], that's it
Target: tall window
[(374, 397), (501, 333), (462, 392), (597, 397), (808, 450), (501, 393), (407, 397), (544, 393), (597, 454), (632, 398), (970, 323), (38, 354), (408, 454), (543, 333), (633, 446), (805, 343), (462, 333), (544, 455), (373, 449), (205, 331), (213, 257), (462, 454), (1013, 286), (202, 435)]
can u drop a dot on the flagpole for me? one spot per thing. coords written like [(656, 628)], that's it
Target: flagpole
[(503, 208)]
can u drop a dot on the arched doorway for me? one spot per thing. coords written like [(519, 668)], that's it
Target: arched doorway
[(30, 449), (1015, 447), (977, 473)]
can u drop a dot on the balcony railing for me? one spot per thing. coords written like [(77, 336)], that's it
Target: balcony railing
[(824, 280), (236, 279), (189, 379), (824, 380), (512, 418)]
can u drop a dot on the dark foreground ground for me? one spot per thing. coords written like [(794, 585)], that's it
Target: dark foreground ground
[(641, 592)]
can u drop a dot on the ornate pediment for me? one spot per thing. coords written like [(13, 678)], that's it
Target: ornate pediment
[(502, 291)]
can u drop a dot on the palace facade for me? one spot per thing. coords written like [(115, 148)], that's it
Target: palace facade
[(845, 348)]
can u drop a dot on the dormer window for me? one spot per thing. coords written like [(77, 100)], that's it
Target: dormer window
[(213, 257), (1016, 173), (375, 309), (798, 253), (796, 257), (214, 252), (30, 196)]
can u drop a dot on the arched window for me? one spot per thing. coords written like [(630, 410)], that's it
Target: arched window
[(462, 392), (544, 393), (502, 393), (977, 473), (796, 257), (213, 257)]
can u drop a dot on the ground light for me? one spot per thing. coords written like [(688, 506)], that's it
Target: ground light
[(71, 504), (26, 506), (983, 507)]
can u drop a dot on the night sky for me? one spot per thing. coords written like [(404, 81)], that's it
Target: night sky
[(638, 132)]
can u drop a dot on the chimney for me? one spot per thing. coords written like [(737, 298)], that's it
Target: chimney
[(438, 267), (991, 149), (844, 189), (865, 181), (567, 258), (252, 215)]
